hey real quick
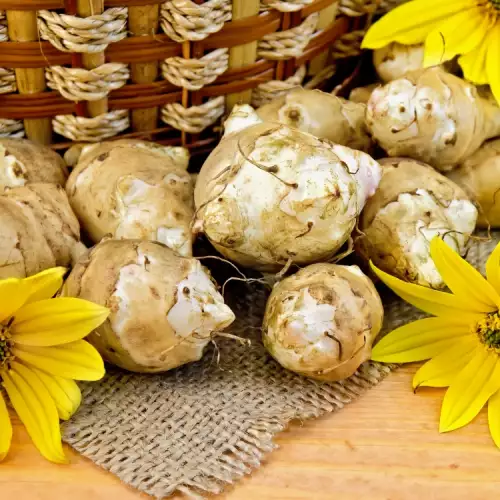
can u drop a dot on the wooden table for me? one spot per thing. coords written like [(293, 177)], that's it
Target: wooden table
[(383, 446)]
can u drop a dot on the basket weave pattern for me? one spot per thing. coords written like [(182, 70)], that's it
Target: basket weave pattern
[(89, 70)]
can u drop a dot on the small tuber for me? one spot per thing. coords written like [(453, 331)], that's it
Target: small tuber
[(321, 322), (431, 116), (322, 115), (479, 176), (413, 203), (134, 190), (39, 230), (23, 162)]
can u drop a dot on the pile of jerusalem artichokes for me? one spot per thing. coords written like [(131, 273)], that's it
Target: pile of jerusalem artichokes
[(290, 189)]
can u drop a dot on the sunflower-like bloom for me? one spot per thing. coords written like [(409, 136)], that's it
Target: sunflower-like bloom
[(41, 355), (468, 28), (462, 341)]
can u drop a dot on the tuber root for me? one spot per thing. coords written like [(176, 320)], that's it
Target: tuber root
[(269, 193), (23, 162), (321, 322), (134, 190), (413, 203), (479, 176), (432, 116), (322, 115), (39, 230), (164, 307)]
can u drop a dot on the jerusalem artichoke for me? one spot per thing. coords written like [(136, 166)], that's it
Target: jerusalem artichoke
[(413, 204), (432, 116), (479, 176), (39, 230), (322, 321), (322, 115), (269, 193), (164, 307), (23, 162), (134, 190)]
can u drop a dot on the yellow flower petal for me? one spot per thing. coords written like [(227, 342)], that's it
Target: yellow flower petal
[(46, 284), (459, 34), (13, 294), (65, 392), (473, 63), (57, 321), (5, 429), (462, 279), (494, 417), (433, 302), (411, 22), (493, 268), (493, 61), (470, 390), (77, 360), (441, 370), (37, 411), (422, 339)]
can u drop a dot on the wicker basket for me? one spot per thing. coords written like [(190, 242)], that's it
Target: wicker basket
[(89, 70)]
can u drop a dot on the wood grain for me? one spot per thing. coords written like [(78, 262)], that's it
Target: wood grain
[(383, 446)]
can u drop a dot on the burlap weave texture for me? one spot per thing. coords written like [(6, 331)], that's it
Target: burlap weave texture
[(205, 425)]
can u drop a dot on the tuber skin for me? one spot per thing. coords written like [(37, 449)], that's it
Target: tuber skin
[(362, 94), (23, 162), (413, 203), (134, 190), (164, 308), (322, 321), (479, 176), (322, 115), (268, 194), (39, 230), (431, 116)]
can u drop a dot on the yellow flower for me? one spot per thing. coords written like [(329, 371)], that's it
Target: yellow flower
[(462, 341), (41, 355), (469, 28)]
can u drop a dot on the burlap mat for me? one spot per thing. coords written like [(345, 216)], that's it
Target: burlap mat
[(203, 426)]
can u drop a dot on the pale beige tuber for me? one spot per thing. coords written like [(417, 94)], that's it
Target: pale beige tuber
[(269, 193), (321, 322), (396, 60), (413, 203), (38, 230), (322, 115), (432, 116), (165, 308), (134, 190), (479, 176), (23, 162)]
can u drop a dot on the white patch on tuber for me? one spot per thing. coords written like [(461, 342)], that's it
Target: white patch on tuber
[(455, 222), (138, 215), (199, 308), (302, 326), (193, 316), (12, 171), (242, 116)]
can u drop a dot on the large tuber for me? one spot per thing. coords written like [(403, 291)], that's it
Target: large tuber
[(164, 307)]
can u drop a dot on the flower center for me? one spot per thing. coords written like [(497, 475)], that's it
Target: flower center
[(495, 3), (488, 331), (5, 346)]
